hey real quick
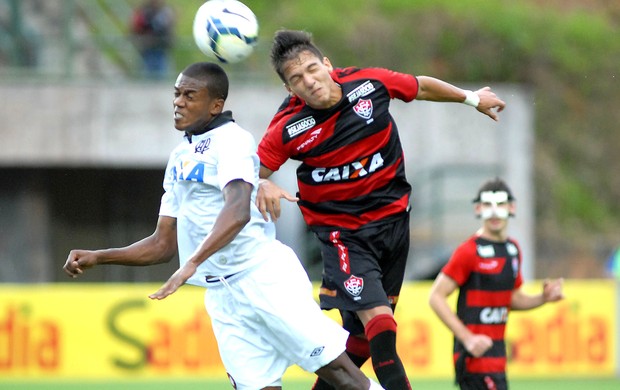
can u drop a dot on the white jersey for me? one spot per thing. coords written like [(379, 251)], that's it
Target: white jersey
[(197, 172), (263, 322)]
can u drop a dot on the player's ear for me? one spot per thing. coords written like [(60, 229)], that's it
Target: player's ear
[(511, 209), (289, 90), (328, 63), (217, 106), (477, 209)]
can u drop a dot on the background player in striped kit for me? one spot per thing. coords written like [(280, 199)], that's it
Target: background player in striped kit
[(353, 192), (258, 295), (487, 271)]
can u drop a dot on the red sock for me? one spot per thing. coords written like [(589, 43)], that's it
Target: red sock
[(381, 333), (358, 350)]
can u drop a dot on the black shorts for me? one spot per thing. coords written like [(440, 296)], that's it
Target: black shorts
[(363, 268), (495, 381)]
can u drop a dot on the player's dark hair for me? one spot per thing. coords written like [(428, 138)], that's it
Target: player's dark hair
[(494, 185), (212, 74), (287, 44)]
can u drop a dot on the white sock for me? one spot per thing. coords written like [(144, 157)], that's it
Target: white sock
[(374, 385)]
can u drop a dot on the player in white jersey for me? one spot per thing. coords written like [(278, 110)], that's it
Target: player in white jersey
[(258, 295)]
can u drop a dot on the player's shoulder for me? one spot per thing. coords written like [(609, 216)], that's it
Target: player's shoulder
[(180, 147), (513, 241), (468, 247), (513, 245), (234, 132), (236, 127), (471, 242), (291, 106), (352, 73)]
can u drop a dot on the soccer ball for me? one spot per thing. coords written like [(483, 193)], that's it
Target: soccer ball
[(226, 30)]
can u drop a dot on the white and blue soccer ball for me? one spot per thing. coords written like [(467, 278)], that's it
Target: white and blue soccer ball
[(226, 30)]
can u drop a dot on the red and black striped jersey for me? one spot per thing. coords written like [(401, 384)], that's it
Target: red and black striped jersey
[(352, 170), (487, 272)]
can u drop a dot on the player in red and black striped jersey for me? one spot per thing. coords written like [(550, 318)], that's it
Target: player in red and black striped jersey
[(353, 192), (352, 170), (486, 269)]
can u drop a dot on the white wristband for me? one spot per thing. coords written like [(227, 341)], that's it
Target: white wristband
[(471, 98)]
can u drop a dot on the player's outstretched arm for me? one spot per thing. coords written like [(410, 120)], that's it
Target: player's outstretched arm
[(78, 261), (160, 247), (484, 99), (552, 292), (489, 104)]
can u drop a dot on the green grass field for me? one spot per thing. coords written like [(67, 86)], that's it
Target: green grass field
[(520, 384)]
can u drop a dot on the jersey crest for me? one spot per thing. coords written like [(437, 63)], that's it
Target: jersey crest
[(202, 146), (354, 286), (363, 108)]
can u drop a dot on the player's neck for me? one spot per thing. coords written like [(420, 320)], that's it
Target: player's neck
[(497, 236)]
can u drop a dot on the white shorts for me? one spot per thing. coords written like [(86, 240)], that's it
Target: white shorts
[(265, 319)]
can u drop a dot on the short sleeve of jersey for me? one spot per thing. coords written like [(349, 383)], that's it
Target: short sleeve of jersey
[(519, 278), (169, 206), (400, 86), (270, 148), (271, 151), (461, 262), (236, 158)]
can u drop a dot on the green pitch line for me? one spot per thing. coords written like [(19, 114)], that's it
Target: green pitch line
[(521, 384)]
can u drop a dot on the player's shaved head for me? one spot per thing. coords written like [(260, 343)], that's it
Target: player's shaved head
[(212, 74)]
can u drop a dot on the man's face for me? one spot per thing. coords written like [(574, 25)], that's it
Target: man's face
[(309, 78), (494, 208), (193, 107)]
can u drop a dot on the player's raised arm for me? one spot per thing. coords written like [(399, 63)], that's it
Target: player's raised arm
[(160, 247), (484, 99)]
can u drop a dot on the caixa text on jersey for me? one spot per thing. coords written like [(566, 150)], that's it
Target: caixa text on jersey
[(349, 171)]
